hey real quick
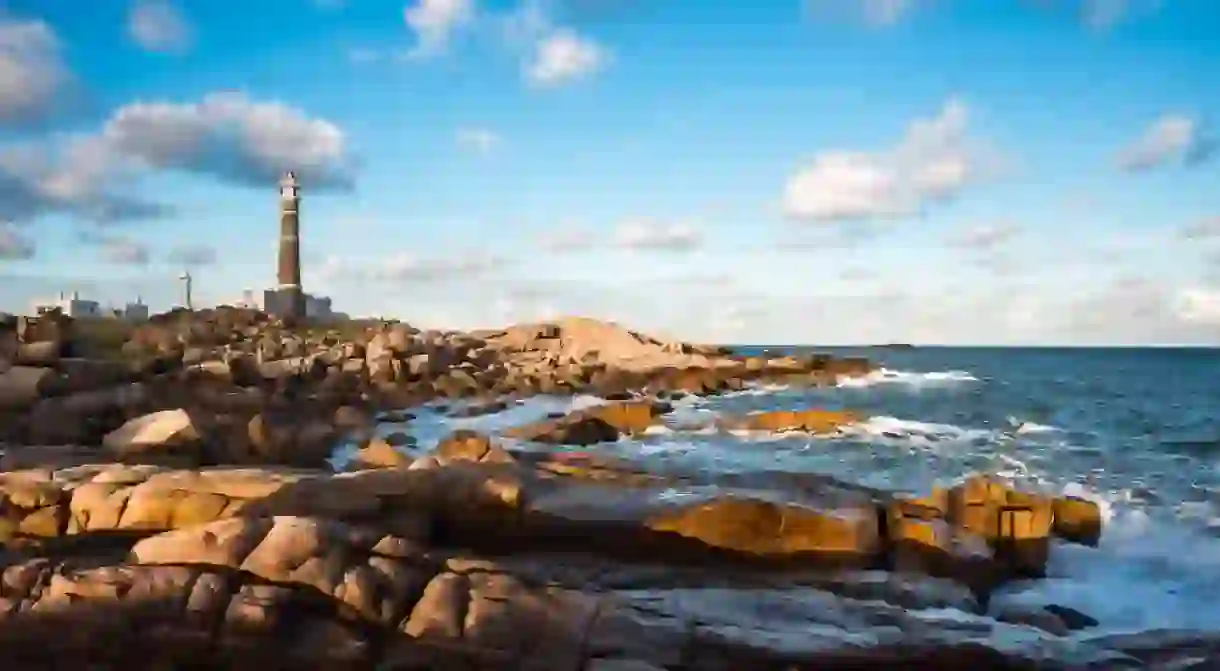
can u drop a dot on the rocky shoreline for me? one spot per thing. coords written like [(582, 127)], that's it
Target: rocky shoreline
[(169, 501)]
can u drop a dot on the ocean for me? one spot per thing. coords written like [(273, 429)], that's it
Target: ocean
[(1135, 429)]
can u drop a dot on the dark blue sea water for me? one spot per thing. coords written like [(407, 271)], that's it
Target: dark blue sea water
[(1138, 430)]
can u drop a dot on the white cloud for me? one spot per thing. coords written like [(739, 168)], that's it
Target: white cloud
[(985, 238), (1172, 137), (480, 140), (123, 250), (435, 21), (642, 234), (877, 13), (225, 136), (13, 245), (194, 255), (638, 234), (571, 238), (933, 162), (1199, 306), (32, 72), (412, 267), (158, 25), (563, 56), (1207, 228), (229, 136)]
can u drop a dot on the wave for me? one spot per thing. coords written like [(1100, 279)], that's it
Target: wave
[(913, 378)]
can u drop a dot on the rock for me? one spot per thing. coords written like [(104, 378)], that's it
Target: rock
[(287, 438), (399, 439), (153, 431), (767, 530), (41, 353), (379, 454), (604, 423), (465, 445), (808, 421), (21, 386), (1016, 524), (1077, 520), (1071, 618)]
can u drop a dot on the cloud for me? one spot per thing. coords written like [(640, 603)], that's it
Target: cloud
[(569, 239), (640, 234), (232, 138), (32, 71), (225, 136), (194, 255), (13, 245), (985, 238), (934, 161), (1198, 305), (414, 268), (876, 13), (1207, 228), (1172, 137), (435, 21), (480, 140), (159, 26), (562, 57), (632, 234), (77, 178), (121, 250)]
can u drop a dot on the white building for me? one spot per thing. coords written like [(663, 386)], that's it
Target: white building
[(74, 306), (136, 312)]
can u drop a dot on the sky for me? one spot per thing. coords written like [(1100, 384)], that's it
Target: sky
[(773, 171)]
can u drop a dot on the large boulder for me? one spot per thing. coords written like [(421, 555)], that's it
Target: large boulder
[(167, 430)]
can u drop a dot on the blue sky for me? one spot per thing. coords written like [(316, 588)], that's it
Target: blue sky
[(999, 171)]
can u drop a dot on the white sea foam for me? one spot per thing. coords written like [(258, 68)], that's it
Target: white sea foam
[(885, 428), (912, 378)]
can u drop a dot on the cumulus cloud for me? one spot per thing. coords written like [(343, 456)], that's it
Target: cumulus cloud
[(552, 55), (985, 238), (194, 255), (32, 71), (225, 136), (563, 57), (479, 140), (13, 245), (235, 139), (158, 25), (934, 161), (434, 23), (1172, 137)]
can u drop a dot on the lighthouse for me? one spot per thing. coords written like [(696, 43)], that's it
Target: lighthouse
[(290, 301)]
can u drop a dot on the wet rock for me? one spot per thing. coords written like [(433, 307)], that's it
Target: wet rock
[(1077, 520), (1016, 524), (597, 424), (808, 421), (1071, 617)]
